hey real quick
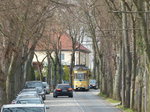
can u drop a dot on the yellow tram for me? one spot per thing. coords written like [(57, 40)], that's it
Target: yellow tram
[(81, 76)]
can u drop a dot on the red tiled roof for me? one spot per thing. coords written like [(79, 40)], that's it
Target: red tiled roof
[(65, 41)]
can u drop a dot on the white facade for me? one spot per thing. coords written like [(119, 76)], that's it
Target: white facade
[(87, 42), (80, 57)]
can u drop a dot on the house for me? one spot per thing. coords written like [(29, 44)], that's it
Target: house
[(62, 42)]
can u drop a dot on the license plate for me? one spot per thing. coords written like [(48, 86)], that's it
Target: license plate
[(64, 90)]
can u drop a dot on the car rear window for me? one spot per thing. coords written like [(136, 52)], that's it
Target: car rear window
[(45, 84), (63, 86), (33, 84)]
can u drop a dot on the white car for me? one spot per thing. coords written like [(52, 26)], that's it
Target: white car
[(24, 108), (46, 87), (25, 95)]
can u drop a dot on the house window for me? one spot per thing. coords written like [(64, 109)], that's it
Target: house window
[(62, 56)]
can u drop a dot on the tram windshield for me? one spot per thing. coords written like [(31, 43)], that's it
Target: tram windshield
[(80, 76)]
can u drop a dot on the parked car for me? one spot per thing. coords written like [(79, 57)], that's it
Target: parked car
[(29, 93), (46, 87), (25, 95), (38, 85), (92, 84), (63, 90), (28, 90), (24, 108), (29, 100)]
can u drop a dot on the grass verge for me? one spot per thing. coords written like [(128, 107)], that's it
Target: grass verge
[(110, 100), (115, 102), (125, 109)]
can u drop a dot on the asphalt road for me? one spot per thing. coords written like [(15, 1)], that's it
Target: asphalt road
[(81, 102)]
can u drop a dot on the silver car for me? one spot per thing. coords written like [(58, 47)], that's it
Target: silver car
[(46, 87), (28, 100), (24, 108), (26, 95), (38, 85)]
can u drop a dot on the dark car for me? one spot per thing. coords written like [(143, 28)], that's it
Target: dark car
[(63, 90), (38, 85), (92, 84)]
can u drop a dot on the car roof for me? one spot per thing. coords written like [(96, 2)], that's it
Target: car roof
[(30, 98), (63, 84), (33, 81), (92, 79), (27, 97), (27, 94), (30, 89), (23, 105)]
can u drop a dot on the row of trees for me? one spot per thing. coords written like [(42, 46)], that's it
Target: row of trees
[(119, 31), (120, 34), (22, 24)]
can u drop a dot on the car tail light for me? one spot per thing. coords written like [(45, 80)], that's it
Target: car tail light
[(70, 89), (58, 89), (13, 102)]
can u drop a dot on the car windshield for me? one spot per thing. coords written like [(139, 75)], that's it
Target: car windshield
[(92, 81), (24, 109), (63, 86), (33, 84), (29, 102), (45, 84)]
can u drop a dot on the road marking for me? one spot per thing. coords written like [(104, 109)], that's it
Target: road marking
[(82, 110)]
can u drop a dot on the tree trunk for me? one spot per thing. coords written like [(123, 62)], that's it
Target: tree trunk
[(117, 82), (55, 75), (27, 67), (134, 68), (127, 56), (49, 71), (98, 73), (95, 60), (123, 76), (60, 68), (10, 78), (71, 67), (2, 88)]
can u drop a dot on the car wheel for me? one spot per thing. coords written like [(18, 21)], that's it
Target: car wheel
[(44, 98), (71, 96), (55, 96)]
